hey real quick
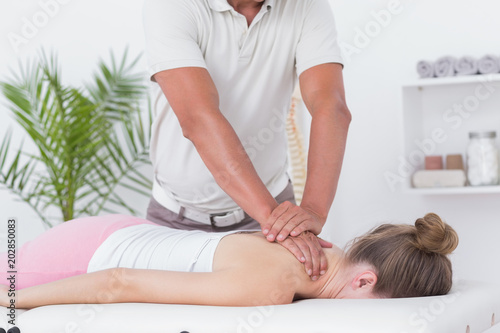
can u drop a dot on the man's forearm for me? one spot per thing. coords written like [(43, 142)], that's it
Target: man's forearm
[(193, 96), (224, 155), (328, 138)]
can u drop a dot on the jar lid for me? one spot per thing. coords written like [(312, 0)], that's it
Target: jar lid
[(477, 135)]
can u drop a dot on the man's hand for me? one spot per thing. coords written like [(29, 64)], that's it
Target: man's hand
[(296, 228), (289, 219), (308, 248)]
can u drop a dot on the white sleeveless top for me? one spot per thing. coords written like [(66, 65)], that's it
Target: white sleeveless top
[(149, 246)]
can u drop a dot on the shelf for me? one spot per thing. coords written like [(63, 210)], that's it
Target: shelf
[(437, 81), (437, 116), (456, 190)]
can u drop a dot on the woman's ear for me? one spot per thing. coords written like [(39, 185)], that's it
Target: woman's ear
[(364, 281)]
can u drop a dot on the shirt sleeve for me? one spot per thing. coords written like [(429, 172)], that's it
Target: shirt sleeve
[(171, 36), (318, 43)]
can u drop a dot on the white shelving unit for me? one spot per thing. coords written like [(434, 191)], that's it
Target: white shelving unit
[(453, 80), (456, 190), (439, 113)]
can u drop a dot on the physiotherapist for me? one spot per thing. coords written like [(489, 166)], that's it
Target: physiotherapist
[(225, 73)]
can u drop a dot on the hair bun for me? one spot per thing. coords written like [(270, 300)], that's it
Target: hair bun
[(434, 235)]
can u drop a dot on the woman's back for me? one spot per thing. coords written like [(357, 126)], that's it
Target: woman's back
[(251, 249), (271, 260), (150, 246)]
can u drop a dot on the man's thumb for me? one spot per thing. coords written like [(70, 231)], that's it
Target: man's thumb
[(324, 243)]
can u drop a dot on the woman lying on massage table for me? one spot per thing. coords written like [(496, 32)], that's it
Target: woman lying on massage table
[(127, 259)]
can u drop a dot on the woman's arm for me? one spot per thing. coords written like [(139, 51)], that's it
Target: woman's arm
[(232, 287), (93, 287)]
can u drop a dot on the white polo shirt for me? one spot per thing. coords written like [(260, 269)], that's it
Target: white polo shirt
[(255, 70)]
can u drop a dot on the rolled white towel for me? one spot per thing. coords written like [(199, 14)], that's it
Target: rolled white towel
[(445, 66), (467, 66), (489, 64), (425, 69)]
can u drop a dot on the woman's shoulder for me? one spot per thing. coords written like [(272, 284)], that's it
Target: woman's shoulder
[(249, 248), (268, 263)]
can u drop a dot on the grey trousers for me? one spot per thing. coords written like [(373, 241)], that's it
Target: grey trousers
[(160, 215)]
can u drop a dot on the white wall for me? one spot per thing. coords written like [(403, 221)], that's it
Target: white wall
[(423, 30), (82, 31)]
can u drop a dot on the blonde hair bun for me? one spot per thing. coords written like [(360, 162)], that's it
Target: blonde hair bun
[(434, 235)]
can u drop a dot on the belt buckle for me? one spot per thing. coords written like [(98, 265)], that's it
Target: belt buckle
[(231, 215), (212, 222)]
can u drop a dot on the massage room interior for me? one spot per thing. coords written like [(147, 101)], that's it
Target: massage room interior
[(409, 152)]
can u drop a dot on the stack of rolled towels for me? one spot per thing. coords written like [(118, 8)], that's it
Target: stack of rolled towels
[(452, 66)]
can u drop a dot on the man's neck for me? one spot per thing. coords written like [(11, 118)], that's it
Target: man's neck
[(247, 8), (245, 4)]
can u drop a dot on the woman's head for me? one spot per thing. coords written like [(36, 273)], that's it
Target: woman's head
[(409, 260)]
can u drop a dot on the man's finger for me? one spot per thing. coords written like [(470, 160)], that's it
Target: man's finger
[(324, 263), (276, 213), (304, 247), (290, 225), (300, 228), (290, 245), (325, 243), (281, 222), (315, 250)]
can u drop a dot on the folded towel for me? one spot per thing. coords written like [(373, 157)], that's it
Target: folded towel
[(489, 64), (467, 66), (445, 66), (425, 69), (439, 178)]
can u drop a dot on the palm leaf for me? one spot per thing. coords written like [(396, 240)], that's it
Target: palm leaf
[(16, 174), (119, 162), (82, 161)]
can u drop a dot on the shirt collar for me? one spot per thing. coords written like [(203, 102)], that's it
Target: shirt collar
[(219, 5), (269, 3), (223, 5)]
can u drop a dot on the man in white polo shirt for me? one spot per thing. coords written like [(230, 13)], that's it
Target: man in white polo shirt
[(225, 72)]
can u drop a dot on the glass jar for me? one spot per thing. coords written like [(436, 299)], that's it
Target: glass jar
[(482, 159)]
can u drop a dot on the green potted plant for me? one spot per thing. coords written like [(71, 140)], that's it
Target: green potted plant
[(90, 141)]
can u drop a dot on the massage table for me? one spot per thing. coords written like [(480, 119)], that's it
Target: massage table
[(471, 307)]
